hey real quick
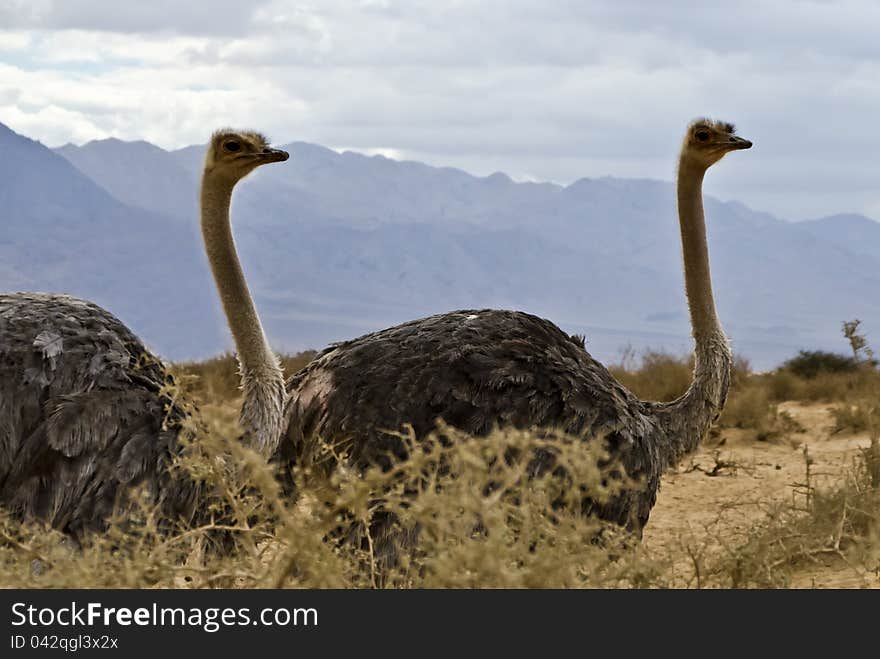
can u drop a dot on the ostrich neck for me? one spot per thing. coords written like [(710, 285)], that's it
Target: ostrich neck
[(261, 376), (687, 419), (695, 251)]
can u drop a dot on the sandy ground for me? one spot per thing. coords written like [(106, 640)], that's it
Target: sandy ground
[(699, 510)]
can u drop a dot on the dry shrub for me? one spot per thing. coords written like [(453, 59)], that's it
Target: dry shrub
[(811, 376), (782, 385), (659, 375), (840, 523), (860, 410), (231, 545), (826, 376), (461, 512), (749, 406), (472, 512), (217, 378), (481, 521), (860, 417), (824, 387)]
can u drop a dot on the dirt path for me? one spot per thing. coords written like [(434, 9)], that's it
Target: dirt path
[(725, 489)]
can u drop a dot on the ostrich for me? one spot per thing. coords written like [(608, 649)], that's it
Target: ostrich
[(84, 409), (477, 370)]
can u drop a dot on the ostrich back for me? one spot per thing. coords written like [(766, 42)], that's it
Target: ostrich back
[(475, 370), (83, 418)]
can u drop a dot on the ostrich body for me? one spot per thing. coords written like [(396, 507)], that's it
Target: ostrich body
[(482, 369), (85, 413), (82, 414)]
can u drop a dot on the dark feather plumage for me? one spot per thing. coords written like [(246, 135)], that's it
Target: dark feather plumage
[(83, 416), (475, 370)]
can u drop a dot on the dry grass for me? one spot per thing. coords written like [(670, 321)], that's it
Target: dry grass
[(852, 387), (658, 375), (840, 523), (217, 379), (480, 518)]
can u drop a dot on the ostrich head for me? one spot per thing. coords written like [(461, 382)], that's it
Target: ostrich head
[(234, 154), (707, 141)]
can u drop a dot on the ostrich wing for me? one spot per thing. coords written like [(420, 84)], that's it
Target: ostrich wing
[(83, 416), (476, 370)]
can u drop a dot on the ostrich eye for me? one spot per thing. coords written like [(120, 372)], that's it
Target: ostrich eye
[(702, 135), (232, 146)]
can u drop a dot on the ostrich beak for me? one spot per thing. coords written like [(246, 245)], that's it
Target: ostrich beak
[(737, 143), (273, 155)]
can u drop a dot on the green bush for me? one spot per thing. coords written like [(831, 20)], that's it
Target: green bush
[(809, 363)]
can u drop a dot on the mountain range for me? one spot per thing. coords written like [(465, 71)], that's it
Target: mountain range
[(338, 244)]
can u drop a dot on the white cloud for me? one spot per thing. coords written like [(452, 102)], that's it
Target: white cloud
[(559, 89), (51, 124), (220, 17)]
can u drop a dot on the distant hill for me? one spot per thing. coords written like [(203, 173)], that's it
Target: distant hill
[(62, 232), (138, 174), (336, 245), (850, 232)]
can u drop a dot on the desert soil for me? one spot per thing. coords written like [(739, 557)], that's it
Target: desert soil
[(703, 503)]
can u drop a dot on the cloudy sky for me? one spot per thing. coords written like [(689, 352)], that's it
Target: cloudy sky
[(550, 90)]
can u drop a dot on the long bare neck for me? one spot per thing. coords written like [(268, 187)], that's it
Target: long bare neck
[(695, 251), (688, 419), (262, 379)]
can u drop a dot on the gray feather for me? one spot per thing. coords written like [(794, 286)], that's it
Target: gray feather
[(81, 415), (475, 370)]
